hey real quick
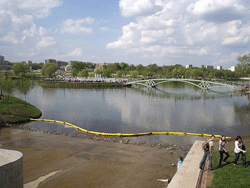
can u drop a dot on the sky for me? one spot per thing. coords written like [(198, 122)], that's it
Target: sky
[(165, 32)]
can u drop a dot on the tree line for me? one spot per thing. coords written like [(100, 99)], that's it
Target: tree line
[(123, 69)]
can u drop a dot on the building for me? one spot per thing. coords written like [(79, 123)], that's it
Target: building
[(232, 68), (178, 65), (209, 67), (68, 68), (1, 60), (61, 63), (219, 67), (29, 62), (189, 66), (50, 61)]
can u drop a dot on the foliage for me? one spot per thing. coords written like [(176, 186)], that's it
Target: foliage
[(74, 72), (21, 68), (48, 69), (36, 66), (79, 65), (8, 88), (106, 73), (243, 67), (24, 86), (134, 74), (84, 73), (119, 74)]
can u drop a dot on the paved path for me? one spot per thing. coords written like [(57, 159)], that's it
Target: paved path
[(188, 173)]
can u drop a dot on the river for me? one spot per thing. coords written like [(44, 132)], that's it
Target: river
[(170, 107)]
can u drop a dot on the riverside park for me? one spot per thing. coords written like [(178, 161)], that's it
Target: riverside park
[(107, 133)]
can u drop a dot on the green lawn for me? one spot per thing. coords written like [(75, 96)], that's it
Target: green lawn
[(230, 175), (17, 111)]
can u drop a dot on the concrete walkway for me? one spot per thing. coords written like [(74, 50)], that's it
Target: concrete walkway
[(188, 174)]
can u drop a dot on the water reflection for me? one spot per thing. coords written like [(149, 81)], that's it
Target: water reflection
[(141, 109), (198, 94)]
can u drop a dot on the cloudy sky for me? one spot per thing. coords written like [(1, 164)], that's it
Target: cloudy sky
[(165, 32)]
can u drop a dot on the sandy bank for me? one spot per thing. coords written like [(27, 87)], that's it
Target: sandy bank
[(89, 163)]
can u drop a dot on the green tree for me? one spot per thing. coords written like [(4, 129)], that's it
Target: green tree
[(8, 88), (134, 74), (84, 73), (106, 73), (119, 74), (140, 68), (21, 68), (74, 72), (48, 69), (24, 86)]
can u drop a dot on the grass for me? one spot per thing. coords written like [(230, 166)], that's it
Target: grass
[(230, 175), (18, 111)]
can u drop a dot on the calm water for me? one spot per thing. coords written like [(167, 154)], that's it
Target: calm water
[(173, 107)]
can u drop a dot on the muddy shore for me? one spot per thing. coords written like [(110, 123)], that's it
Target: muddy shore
[(91, 161)]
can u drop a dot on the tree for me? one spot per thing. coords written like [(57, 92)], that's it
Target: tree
[(20, 68), (8, 88), (134, 74), (106, 73), (119, 74), (24, 86), (139, 68), (244, 65), (48, 69), (74, 72), (84, 73), (98, 71)]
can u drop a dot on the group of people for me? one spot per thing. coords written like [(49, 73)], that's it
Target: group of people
[(239, 149)]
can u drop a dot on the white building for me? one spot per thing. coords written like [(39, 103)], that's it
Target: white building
[(219, 67), (1, 60), (232, 68), (189, 66)]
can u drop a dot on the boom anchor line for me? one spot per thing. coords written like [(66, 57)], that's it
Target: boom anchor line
[(125, 134)]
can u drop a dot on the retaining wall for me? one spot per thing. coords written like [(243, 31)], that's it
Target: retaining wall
[(11, 169)]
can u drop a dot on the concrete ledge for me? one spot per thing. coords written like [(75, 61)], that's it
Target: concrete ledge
[(11, 169), (188, 174)]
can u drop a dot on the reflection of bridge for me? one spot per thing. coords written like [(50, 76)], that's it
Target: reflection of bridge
[(200, 94), (202, 84)]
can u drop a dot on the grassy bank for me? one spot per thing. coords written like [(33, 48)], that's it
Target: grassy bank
[(78, 84), (17, 111), (230, 175)]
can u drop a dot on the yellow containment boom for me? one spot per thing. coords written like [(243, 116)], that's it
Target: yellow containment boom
[(126, 134)]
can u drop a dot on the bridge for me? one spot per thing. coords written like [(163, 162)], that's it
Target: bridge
[(202, 84), (199, 94)]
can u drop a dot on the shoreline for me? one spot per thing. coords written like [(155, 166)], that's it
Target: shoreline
[(124, 140)]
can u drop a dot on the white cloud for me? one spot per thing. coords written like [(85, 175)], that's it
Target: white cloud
[(77, 26), (139, 7), (187, 27), (45, 42), (76, 53)]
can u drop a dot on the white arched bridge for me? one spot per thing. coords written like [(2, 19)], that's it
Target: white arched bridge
[(202, 84)]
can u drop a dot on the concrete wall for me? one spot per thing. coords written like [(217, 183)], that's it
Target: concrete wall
[(11, 169)]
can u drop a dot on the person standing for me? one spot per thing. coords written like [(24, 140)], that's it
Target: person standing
[(222, 149), (207, 146), (239, 149)]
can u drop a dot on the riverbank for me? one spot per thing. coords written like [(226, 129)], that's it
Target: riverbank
[(84, 162), (79, 84), (230, 175), (17, 111)]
